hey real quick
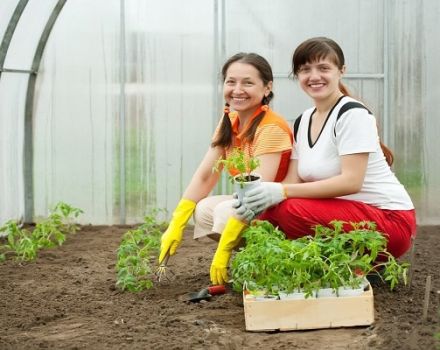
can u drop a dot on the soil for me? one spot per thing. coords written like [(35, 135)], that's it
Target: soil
[(67, 299)]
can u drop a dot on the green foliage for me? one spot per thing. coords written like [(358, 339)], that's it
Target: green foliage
[(48, 233), (139, 248), (237, 161), (330, 258)]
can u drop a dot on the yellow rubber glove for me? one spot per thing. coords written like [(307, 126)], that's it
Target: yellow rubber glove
[(172, 237), (229, 239)]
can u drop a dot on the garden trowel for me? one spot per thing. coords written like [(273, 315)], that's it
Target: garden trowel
[(206, 293)]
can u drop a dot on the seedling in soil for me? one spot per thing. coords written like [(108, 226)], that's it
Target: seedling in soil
[(137, 252), (50, 232), (238, 164)]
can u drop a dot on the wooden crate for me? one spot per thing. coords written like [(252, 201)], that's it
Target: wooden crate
[(311, 313)]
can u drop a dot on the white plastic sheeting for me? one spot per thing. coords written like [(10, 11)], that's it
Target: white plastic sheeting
[(27, 34), (168, 98), (76, 112), (13, 90), (7, 8), (168, 106)]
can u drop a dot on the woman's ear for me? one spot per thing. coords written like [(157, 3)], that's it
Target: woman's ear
[(343, 69), (268, 88)]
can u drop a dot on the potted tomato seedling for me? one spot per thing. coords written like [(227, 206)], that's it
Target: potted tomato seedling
[(240, 168)]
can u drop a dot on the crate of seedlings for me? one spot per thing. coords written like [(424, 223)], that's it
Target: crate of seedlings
[(312, 282)]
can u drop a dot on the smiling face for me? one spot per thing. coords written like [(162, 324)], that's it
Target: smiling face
[(320, 79), (243, 88)]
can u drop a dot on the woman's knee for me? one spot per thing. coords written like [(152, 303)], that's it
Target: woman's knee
[(222, 212), (207, 213), (204, 211)]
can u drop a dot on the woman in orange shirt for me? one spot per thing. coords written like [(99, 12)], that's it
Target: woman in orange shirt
[(247, 123)]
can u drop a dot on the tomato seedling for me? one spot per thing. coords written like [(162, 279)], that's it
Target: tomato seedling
[(331, 258), (238, 165), (48, 233), (137, 252)]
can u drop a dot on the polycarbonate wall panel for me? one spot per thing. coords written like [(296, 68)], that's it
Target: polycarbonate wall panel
[(274, 30), (7, 8), (371, 93), (76, 111), (13, 90), (170, 84), (406, 116), (27, 34), (429, 204), (415, 103), (168, 107)]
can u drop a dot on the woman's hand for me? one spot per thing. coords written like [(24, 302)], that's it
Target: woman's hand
[(241, 212), (264, 196)]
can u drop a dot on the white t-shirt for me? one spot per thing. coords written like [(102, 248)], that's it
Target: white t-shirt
[(354, 132)]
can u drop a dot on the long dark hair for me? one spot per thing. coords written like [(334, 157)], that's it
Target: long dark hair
[(224, 136), (315, 49)]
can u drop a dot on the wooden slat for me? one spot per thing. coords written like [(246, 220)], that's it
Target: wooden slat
[(309, 313)]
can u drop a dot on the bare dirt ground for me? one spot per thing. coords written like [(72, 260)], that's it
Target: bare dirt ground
[(67, 299)]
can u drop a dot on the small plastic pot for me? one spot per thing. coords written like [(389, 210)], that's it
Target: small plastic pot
[(242, 187), (346, 291), (326, 293), (292, 296)]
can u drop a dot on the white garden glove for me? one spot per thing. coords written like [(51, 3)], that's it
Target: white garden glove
[(264, 196), (241, 212)]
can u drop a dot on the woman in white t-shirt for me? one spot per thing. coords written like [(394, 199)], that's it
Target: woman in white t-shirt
[(339, 169)]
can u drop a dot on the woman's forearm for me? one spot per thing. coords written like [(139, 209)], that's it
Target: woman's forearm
[(329, 188)]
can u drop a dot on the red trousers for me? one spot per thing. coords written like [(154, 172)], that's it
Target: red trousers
[(296, 217)]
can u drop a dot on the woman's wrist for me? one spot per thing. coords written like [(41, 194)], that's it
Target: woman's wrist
[(285, 191)]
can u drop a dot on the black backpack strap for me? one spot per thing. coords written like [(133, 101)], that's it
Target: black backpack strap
[(348, 106), (296, 126)]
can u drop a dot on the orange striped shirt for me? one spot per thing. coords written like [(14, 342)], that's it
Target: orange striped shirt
[(272, 135)]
